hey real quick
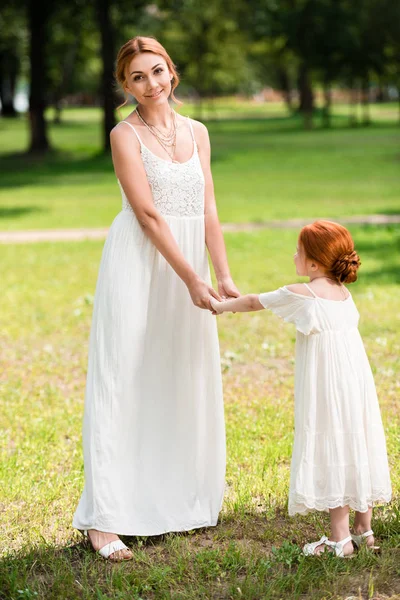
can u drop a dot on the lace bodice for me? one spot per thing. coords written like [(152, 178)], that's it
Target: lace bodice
[(177, 188)]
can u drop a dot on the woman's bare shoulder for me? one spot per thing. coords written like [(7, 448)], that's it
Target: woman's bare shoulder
[(199, 126), (201, 134), (123, 136)]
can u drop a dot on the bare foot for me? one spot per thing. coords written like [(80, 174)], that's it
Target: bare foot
[(98, 539)]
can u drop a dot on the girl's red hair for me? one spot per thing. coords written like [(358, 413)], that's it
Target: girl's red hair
[(138, 45), (331, 246)]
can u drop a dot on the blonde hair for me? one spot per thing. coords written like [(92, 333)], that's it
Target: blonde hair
[(138, 45)]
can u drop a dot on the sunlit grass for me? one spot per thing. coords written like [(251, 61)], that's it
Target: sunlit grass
[(44, 324)]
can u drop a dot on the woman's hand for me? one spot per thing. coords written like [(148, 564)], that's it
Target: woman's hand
[(200, 293), (227, 289)]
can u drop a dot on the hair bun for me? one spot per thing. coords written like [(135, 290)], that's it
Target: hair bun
[(345, 268)]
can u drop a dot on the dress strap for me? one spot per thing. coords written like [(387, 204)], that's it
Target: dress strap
[(310, 290), (137, 135), (191, 129)]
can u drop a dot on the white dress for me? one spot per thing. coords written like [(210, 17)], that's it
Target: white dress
[(339, 451), (153, 426)]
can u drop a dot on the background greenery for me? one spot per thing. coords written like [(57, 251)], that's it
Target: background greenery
[(264, 169), (302, 51)]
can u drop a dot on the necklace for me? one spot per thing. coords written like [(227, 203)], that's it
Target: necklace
[(166, 140)]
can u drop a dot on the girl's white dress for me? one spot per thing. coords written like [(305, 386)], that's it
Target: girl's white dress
[(339, 452), (153, 427)]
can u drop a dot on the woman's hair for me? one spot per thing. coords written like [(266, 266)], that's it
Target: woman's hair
[(331, 245), (138, 45)]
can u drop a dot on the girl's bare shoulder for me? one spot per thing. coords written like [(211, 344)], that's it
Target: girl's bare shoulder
[(299, 288)]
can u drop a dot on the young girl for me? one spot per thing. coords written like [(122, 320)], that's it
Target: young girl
[(339, 455)]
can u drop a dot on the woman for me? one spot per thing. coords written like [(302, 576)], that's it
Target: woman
[(153, 429)]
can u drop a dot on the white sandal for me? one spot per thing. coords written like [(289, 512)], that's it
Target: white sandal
[(361, 540), (338, 547), (109, 548)]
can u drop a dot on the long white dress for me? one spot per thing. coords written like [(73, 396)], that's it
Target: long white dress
[(339, 451), (153, 426)]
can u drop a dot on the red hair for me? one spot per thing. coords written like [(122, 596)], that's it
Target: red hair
[(138, 45), (331, 246)]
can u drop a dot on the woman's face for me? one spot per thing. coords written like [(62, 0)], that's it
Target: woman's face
[(149, 79)]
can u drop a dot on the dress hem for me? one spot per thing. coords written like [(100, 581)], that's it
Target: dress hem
[(304, 507), (150, 532)]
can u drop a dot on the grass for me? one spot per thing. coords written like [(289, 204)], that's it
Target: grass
[(253, 553), (265, 167)]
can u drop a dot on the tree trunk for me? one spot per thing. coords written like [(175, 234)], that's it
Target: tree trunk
[(107, 79), (353, 105), (38, 14), (306, 106), (326, 112), (68, 71), (284, 86), (9, 67), (365, 101)]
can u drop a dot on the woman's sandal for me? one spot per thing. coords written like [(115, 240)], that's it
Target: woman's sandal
[(112, 547), (336, 547), (361, 540)]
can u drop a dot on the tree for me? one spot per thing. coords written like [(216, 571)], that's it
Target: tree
[(208, 45), (12, 47), (286, 25), (71, 48), (103, 11), (38, 19)]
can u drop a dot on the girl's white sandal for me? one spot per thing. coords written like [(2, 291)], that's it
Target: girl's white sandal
[(337, 547), (360, 540), (110, 548)]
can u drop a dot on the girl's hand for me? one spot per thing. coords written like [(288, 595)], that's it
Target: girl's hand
[(201, 293), (216, 306), (227, 289)]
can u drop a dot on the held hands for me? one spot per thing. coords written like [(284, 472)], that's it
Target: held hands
[(202, 294), (217, 307), (227, 289)]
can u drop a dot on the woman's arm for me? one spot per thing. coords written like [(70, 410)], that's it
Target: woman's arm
[(247, 303), (130, 171), (214, 237)]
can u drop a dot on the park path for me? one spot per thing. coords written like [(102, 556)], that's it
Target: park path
[(71, 235)]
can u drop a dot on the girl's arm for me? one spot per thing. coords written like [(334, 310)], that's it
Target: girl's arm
[(130, 171), (214, 237), (247, 303)]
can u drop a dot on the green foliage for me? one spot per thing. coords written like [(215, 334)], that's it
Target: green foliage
[(288, 554), (264, 169), (205, 40)]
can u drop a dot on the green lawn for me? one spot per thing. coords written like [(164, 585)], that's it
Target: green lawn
[(47, 296), (265, 167)]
